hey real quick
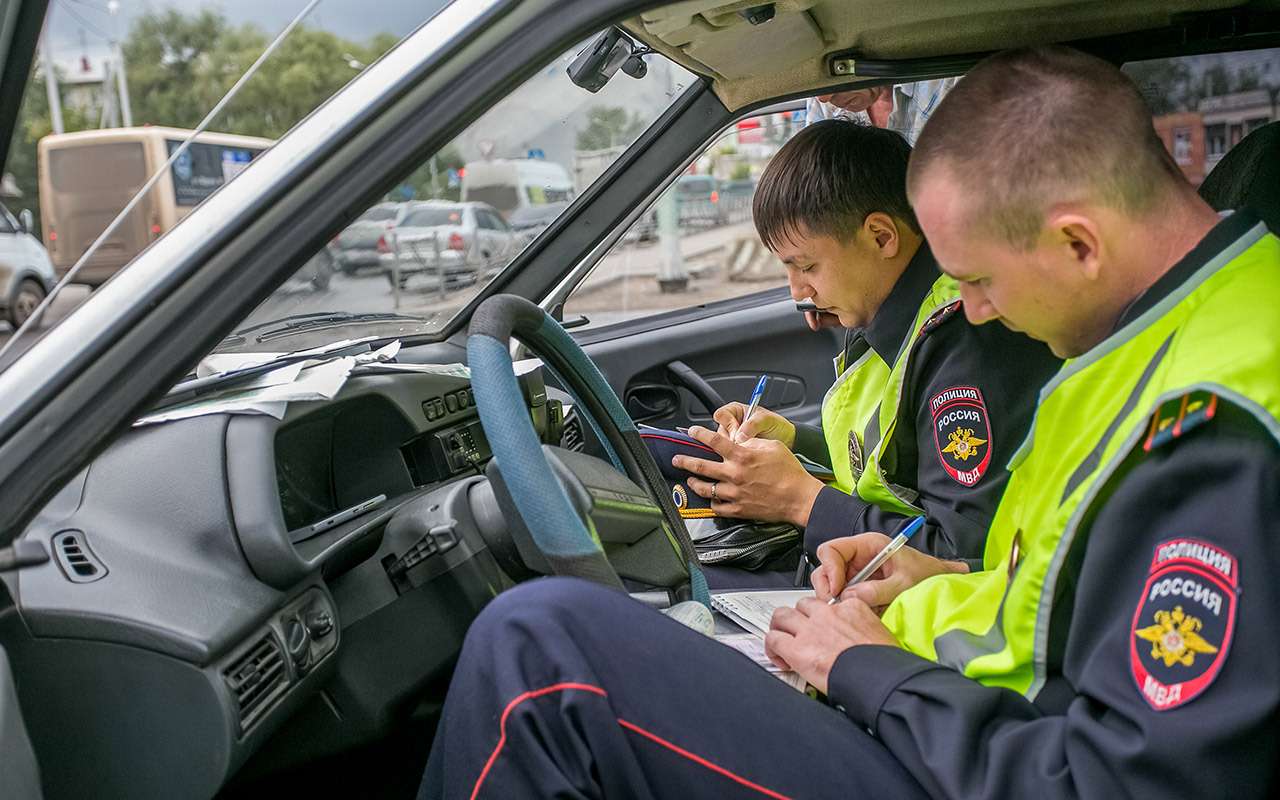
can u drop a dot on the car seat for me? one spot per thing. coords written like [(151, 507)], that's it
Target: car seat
[(1249, 176)]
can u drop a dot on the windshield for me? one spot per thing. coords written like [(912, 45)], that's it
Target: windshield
[(378, 215), (427, 217), (118, 88), (516, 169), (503, 198)]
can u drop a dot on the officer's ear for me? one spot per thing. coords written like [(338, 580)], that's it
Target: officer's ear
[(882, 229), (1077, 242)]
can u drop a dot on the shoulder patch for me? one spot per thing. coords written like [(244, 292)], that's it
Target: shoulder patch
[(1184, 622), (962, 432), (1178, 415), (940, 316)]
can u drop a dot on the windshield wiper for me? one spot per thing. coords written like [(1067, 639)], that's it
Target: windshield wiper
[(318, 320)]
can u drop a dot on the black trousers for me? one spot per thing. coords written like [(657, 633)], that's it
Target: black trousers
[(568, 690)]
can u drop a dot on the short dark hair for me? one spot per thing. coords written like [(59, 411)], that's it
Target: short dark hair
[(828, 179), (1031, 127)]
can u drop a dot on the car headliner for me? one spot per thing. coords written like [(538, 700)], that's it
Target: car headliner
[(789, 54)]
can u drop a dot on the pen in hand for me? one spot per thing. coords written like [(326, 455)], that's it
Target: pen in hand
[(895, 544), (756, 394)]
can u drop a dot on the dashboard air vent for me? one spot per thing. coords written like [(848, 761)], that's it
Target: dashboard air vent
[(257, 679), (571, 438), (78, 562)]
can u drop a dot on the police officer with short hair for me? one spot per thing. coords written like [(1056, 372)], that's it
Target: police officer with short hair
[(926, 408), (1118, 641)]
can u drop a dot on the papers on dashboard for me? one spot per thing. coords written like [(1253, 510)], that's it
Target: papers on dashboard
[(754, 610), (269, 394)]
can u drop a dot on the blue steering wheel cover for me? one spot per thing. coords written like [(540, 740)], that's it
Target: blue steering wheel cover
[(549, 516), (564, 344), (552, 522)]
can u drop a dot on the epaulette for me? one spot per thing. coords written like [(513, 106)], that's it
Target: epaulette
[(1177, 415), (938, 317)]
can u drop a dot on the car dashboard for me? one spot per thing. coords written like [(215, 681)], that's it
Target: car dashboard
[(226, 590)]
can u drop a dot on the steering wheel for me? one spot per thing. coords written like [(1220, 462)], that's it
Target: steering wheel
[(559, 531)]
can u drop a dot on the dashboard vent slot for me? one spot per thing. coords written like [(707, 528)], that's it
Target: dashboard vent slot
[(571, 437), (257, 679), (78, 562)]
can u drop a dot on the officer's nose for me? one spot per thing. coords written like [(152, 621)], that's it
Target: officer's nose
[(800, 289), (977, 306)]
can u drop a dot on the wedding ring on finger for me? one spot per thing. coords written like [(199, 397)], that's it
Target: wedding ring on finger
[(714, 484)]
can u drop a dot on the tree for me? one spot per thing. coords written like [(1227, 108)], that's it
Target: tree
[(420, 180), (1164, 83), (178, 67), (609, 126)]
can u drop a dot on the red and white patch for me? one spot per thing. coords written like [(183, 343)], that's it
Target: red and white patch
[(962, 432), (1184, 622)]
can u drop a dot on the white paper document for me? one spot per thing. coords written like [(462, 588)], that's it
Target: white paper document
[(752, 646), (753, 610)]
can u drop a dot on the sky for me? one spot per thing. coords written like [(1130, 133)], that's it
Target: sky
[(75, 21)]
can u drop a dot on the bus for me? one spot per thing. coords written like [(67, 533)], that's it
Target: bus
[(86, 178)]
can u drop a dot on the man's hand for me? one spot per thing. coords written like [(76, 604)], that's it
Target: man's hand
[(842, 558), (817, 320), (764, 424), (808, 638), (758, 479)]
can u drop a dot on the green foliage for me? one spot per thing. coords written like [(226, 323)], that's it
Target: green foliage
[(181, 63), (741, 171), (609, 126), (420, 180)]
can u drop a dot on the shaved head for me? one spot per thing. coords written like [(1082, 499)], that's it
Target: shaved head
[(1030, 128)]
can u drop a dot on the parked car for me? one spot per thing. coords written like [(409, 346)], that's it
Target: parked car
[(26, 273), (735, 199), (459, 241), (698, 197), (357, 245)]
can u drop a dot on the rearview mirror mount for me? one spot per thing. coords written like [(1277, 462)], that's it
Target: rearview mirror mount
[(599, 61)]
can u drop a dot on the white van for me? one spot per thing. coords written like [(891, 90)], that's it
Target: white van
[(528, 192)]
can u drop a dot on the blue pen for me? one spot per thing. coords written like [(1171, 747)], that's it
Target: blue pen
[(895, 544), (756, 394)]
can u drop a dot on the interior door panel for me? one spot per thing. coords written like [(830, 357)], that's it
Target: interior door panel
[(19, 775), (728, 350)]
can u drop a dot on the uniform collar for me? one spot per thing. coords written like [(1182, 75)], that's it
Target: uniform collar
[(1221, 236), (892, 322)]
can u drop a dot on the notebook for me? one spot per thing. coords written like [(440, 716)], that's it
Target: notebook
[(753, 610)]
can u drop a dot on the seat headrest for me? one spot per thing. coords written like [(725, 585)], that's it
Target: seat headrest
[(1249, 175)]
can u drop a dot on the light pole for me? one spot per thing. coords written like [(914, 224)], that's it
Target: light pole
[(51, 80), (117, 54)]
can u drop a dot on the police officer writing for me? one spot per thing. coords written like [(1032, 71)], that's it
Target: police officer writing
[(926, 409), (1119, 640)]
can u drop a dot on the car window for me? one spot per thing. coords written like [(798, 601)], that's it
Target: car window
[(525, 160), (378, 214), (430, 216), (1202, 106), (696, 243)]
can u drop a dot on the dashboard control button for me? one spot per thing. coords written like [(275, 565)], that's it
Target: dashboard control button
[(451, 402), (319, 623), (297, 640)]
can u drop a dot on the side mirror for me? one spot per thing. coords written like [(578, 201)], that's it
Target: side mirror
[(27, 220)]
